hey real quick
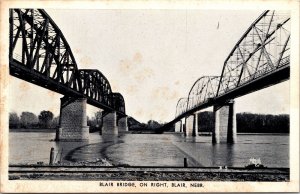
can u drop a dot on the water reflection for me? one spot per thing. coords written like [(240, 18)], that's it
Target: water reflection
[(65, 150), (110, 138), (222, 152), (85, 151), (230, 154)]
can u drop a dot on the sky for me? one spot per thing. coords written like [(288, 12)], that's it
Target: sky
[(152, 57)]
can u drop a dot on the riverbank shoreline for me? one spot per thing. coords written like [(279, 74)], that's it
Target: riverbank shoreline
[(139, 173), (38, 130)]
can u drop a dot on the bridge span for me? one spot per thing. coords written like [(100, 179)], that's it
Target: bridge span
[(260, 58), (40, 54)]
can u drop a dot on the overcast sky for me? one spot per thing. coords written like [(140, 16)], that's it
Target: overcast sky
[(152, 57)]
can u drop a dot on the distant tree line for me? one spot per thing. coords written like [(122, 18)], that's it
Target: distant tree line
[(206, 121), (246, 122), (95, 122), (249, 123), (46, 120), (259, 123), (150, 127), (27, 120)]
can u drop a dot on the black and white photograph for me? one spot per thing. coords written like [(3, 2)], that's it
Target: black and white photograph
[(155, 97)]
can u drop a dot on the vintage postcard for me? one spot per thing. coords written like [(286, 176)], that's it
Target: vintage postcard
[(149, 96)]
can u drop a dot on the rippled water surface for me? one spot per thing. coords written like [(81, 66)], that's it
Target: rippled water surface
[(151, 149)]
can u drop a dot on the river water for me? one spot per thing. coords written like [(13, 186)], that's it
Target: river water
[(151, 150)]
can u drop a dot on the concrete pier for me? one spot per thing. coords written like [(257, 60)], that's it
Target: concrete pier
[(178, 126), (225, 123), (190, 126), (109, 126), (196, 127), (122, 124), (73, 120)]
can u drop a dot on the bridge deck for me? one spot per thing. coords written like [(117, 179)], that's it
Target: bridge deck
[(279, 75)]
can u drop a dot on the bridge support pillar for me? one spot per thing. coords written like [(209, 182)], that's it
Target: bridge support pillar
[(73, 120), (225, 123), (190, 126), (178, 126), (196, 132), (182, 127), (122, 124), (109, 125)]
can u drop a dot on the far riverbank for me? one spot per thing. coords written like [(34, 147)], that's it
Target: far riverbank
[(38, 130)]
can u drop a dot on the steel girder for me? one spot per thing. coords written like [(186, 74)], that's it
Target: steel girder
[(40, 54), (95, 85), (262, 49), (181, 106), (204, 89), (261, 57)]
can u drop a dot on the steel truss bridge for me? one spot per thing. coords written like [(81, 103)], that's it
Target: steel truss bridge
[(39, 53), (259, 59)]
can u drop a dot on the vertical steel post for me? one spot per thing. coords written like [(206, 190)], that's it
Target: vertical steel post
[(51, 161)]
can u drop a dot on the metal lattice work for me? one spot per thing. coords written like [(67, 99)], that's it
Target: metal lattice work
[(181, 106), (40, 54), (203, 90), (95, 85), (118, 102), (263, 48), (259, 59)]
